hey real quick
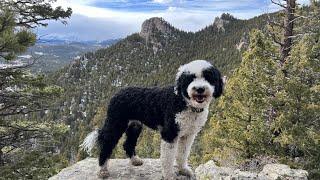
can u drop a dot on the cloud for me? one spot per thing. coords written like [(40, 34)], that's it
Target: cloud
[(81, 27), (100, 19), (162, 1)]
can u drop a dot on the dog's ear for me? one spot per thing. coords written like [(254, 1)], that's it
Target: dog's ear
[(178, 85), (176, 89), (219, 84), (182, 83)]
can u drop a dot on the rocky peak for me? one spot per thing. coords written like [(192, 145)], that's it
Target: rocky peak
[(221, 21), (227, 16), (153, 25), (156, 32)]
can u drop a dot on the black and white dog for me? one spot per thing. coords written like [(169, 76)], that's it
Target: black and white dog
[(178, 112)]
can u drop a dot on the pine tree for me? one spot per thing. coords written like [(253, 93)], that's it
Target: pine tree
[(22, 94), (266, 112), (241, 124), (297, 104)]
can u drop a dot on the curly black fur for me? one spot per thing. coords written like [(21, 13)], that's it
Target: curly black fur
[(154, 107), (213, 76), (132, 133)]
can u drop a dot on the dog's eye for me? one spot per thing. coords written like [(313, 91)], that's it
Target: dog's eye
[(209, 76), (186, 79)]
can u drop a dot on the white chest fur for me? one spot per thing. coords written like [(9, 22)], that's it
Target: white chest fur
[(191, 122)]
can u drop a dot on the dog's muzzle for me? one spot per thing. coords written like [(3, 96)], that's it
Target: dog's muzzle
[(199, 94)]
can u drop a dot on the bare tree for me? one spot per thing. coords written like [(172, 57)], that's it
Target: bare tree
[(287, 27)]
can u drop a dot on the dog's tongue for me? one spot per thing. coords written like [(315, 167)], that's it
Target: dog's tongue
[(199, 98)]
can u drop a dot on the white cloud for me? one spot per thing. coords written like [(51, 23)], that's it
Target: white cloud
[(172, 8), (271, 7), (162, 1), (95, 12), (86, 28), (96, 23), (181, 18)]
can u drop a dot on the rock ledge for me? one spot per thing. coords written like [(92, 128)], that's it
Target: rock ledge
[(270, 172), (87, 169), (151, 170)]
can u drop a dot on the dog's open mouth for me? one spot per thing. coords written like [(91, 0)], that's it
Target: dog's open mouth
[(200, 98)]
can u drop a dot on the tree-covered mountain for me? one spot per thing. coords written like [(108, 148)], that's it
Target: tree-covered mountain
[(148, 58)]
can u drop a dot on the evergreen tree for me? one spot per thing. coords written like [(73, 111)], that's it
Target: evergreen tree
[(266, 112), (241, 123), (23, 132), (297, 104)]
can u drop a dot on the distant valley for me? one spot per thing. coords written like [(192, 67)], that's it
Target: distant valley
[(52, 54)]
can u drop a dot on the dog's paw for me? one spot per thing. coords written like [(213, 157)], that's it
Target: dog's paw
[(103, 173), (186, 171), (136, 161)]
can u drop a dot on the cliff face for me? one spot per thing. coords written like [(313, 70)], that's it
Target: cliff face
[(153, 25), (220, 23), (157, 32), (151, 170)]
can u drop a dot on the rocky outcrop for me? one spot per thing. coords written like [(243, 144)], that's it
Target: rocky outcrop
[(220, 23), (270, 172), (223, 20), (87, 169), (157, 32), (153, 25), (281, 171), (243, 43)]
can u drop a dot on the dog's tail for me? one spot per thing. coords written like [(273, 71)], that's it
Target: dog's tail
[(90, 141)]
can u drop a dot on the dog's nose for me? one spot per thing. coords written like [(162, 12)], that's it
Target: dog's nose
[(200, 90)]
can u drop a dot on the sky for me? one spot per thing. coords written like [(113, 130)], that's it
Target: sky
[(110, 19)]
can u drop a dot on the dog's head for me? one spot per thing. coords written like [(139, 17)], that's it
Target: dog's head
[(199, 82)]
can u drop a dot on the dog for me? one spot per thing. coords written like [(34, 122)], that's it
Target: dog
[(178, 111)]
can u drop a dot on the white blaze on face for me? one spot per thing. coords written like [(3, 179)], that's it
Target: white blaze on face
[(194, 67)]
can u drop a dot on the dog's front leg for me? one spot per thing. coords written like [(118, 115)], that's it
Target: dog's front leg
[(167, 157), (184, 148)]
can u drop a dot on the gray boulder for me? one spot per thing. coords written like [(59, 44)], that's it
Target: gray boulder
[(281, 171), (210, 170)]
